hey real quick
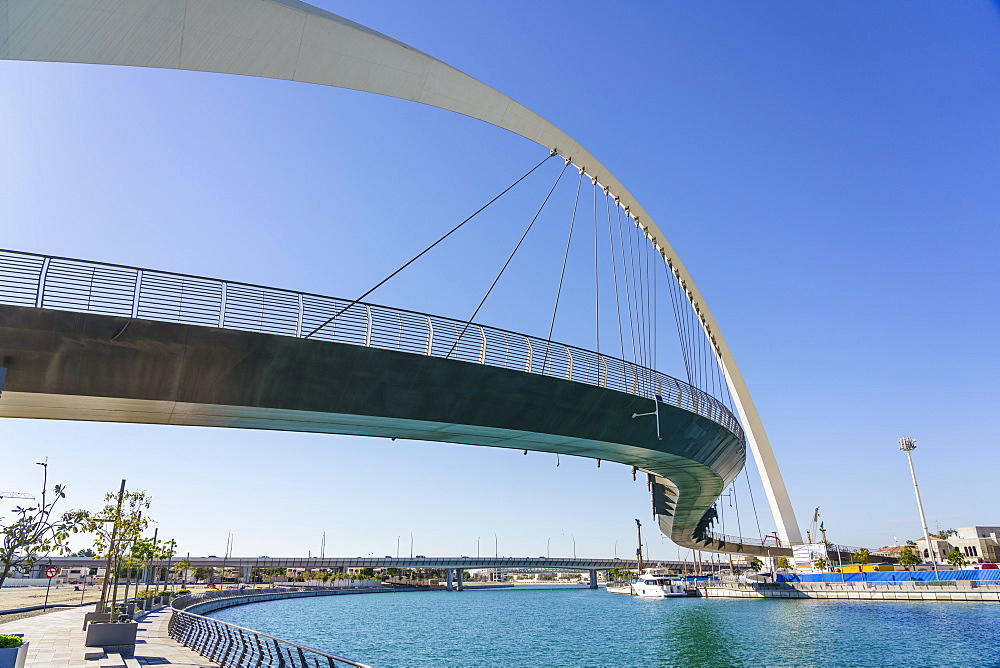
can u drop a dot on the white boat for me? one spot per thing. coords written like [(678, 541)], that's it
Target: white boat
[(652, 583), (619, 588)]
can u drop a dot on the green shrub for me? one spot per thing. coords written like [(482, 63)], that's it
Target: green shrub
[(7, 642), (145, 593), (182, 592)]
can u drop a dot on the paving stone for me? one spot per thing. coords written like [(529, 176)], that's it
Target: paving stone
[(57, 641)]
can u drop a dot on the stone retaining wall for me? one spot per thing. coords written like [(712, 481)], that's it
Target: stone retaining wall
[(945, 591)]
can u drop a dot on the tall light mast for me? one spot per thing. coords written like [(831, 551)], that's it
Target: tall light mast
[(908, 445)]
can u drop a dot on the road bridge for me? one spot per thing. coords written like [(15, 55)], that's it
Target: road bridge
[(453, 566)]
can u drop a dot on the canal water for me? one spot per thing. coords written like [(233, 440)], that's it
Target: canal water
[(558, 626)]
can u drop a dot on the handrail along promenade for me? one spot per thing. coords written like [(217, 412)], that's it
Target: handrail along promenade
[(49, 282), (233, 646)]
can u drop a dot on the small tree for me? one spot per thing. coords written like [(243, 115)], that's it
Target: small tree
[(165, 552), (944, 534), (117, 528), (820, 564), (783, 563), (35, 532), (908, 557), (861, 556), (955, 558), (756, 564), (182, 567)]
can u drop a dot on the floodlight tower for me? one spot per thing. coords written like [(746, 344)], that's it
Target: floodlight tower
[(908, 445)]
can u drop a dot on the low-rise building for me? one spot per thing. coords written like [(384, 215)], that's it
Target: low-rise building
[(979, 545)]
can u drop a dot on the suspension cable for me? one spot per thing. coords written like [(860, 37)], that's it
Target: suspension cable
[(468, 322), (760, 534), (418, 255), (625, 279), (650, 302), (674, 287), (736, 502), (614, 269), (639, 291), (597, 285), (562, 273)]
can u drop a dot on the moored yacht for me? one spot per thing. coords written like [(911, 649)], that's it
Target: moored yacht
[(653, 583)]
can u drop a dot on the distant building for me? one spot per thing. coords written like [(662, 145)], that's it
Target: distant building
[(979, 545), (892, 551), (941, 548)]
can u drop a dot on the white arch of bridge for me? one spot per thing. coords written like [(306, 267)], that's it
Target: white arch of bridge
[(291, 40)]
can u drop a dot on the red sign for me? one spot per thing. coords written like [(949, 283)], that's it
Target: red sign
[(51, 572)]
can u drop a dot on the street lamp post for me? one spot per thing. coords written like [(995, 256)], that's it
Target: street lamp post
[(908, 445)]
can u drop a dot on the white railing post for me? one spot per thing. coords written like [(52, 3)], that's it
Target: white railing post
[(482, 347), (430, 336), (527, 365), (299, 316), (136, 291), (40, 294), (569, 364), (222, 306), (368, 328), (604, 366)]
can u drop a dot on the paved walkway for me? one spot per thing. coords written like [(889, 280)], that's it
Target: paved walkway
[(57, 641)]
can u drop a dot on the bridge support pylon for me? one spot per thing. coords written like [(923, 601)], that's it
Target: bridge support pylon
[(593, 578), (459, 579), (450, 575)]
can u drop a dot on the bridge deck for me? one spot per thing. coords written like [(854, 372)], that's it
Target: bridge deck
[(124, 348)]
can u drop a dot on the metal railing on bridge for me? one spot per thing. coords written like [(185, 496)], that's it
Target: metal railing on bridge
[(27, 279)]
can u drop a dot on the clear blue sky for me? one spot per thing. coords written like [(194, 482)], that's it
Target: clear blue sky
[(827, 171)]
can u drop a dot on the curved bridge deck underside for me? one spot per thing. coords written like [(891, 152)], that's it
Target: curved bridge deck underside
[(83, 366)]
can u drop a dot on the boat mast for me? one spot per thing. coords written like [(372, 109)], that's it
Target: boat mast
[(638, 552)]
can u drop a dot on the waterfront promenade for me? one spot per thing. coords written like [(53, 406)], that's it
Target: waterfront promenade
[(57, 641)]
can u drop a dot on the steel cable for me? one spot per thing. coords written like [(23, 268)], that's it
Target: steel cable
[(421, 253), (507, 263)]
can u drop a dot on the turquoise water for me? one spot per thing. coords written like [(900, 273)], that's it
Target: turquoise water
[(584, 627)]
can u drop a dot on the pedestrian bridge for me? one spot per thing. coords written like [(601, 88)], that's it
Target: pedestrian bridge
[(100, 342), (89, 341)]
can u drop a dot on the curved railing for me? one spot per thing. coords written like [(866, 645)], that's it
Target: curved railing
[(27, 279), (233, 646)]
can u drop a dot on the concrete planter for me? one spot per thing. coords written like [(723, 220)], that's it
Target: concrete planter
[(95, 617), (13, 657), (111, 633)]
